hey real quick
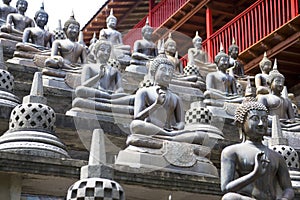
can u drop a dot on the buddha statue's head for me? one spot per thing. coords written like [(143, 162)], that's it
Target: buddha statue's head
[(22, 5), (111, 20), (197, 41), (265, 64), (161, 68), (41, 16), (233, 50), (222, 59), (102, 50), (170, 45), (147, 31), (71, 27)]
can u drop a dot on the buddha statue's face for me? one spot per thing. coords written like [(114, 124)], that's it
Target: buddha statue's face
[(22, 6), (171, 47), (103, 52), (42, 19), (112, 22), (147, 33), (266, 68), (72, 31), (164, 74), (198, 43), (223, 63), (234, 53), (256, 124), (277, 84)]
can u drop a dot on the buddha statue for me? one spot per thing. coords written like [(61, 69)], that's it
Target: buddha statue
[(158, 129), (5, 9), (120, 51), (36, 40), (220, 86), (197, 56), (261, 84), (16, 23), (171, 51), (180, 77), (144, 50), (250, 170), (236, 68), (90, 56), (66, 53), (277, 104), (101, 85), (197, 53)]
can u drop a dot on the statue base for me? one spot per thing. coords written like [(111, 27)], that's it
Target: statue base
[(156, 154), (97, 115), (68, 83), (139, 69)]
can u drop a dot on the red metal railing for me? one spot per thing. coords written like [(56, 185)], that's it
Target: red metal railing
[(158, 15), (256, 22)]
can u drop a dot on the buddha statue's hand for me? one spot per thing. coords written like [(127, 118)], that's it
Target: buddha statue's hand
[(261, 163), (161, 97)]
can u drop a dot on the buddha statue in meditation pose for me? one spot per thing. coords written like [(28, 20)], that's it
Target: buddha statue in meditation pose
[(144, 50), (197, 56), (277, 104), (236, 69), (36, 39), (261, 84), (158, 112), (66, 53), (220, 86), (5, 9), (101, 85), (250, 170), (120, 51), (16, 23)]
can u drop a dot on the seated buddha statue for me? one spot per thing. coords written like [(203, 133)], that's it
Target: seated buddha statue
[(144, 50), (236, 68), (36, 40), (120, 51), (251, 170), (197, 56), (66, 53), (220, 86), (180, 78), (16, 23), (261, 84), (159, 137), (101, 85), (277, 104), (5, 9)]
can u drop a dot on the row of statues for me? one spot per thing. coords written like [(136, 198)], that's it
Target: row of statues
[(156, 110)]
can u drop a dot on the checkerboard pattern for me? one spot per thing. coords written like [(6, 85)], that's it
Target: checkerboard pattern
[(146, 83), (95, 189), (59, 34), (289, 154), (114, 63), (198, 115), (6, 80), (191, 70)]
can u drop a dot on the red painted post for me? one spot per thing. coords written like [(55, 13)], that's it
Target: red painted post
[(151, 5), (294, 8), (209, 31)]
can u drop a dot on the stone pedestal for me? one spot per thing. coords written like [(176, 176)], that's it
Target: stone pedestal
[(156, 154)]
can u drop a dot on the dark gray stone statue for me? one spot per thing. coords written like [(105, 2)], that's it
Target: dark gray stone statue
[(17, 22), (220, 86), (66, 53), (101, 85), (5, 9), (277, 104), (250, 170), (144, 50), (261, 83), (236, 68), (36, 39)]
